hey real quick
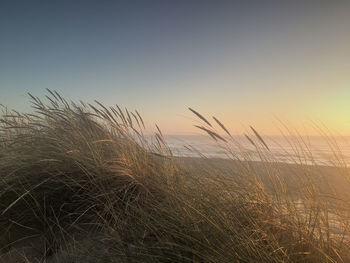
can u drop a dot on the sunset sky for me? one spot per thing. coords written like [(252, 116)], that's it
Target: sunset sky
[(246, 62)]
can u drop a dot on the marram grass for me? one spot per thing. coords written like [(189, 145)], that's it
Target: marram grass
[(80, 182)]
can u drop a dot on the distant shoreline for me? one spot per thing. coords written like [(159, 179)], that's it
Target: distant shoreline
[(326, 176)]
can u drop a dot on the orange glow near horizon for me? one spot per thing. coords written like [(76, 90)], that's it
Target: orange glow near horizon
[(328, 109)]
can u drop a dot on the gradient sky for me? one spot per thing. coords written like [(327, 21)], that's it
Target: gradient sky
[(246, 62)]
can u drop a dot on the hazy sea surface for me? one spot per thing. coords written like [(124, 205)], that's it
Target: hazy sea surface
[(319, 150)]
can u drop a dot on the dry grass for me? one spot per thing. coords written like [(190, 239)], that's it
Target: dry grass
[(80, 183)]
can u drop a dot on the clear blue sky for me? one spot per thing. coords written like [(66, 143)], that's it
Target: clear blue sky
[(243, 61)]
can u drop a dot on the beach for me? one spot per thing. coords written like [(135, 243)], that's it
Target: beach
[(90, 187)]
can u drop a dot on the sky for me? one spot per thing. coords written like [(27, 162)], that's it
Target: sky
[(245, 62)]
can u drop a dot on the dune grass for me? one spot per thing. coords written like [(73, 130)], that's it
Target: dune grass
[(81, 183)]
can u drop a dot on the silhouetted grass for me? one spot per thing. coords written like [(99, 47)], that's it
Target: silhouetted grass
[(81, 183)]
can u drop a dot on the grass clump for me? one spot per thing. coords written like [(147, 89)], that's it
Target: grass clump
[(81, 183)]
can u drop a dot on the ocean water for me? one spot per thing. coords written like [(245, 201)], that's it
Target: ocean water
[(319, 150)]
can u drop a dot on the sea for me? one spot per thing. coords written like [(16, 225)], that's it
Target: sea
[(320, 150)]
